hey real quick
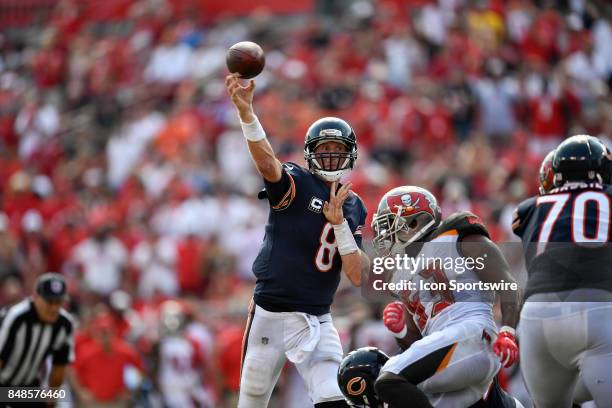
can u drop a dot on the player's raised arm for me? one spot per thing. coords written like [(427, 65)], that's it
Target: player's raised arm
[(261, 151)]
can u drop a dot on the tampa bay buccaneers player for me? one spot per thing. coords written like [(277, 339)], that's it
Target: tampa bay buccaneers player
[(565, 338), (454, 350), (546, 174), (178, 362), (313, 233)]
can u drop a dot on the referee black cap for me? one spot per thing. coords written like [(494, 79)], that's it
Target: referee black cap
[(51, 286)]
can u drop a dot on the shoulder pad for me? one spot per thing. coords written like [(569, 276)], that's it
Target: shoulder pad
[(465, 223), (362, 208), (520, 215), (359, 200), (295, 172), (295, 169)]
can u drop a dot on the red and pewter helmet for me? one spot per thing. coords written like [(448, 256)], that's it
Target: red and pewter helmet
[(547, 176), (405, 214)]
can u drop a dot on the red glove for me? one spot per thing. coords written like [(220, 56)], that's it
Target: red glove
[(505, 346), (394, 317)]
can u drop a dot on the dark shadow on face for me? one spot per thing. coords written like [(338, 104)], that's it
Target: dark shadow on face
[(48, 311)]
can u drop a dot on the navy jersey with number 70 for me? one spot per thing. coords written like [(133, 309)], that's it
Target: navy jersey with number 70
[(298, 266), (566, 235)]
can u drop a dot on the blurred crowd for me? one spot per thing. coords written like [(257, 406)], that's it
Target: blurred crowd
[(122, 165)]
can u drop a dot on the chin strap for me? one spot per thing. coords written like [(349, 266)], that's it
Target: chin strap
[(330, 176)]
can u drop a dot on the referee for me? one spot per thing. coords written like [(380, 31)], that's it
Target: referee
[(31, 331)]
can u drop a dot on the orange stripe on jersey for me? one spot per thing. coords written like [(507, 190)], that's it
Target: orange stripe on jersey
[(287, 198), (447, 358), (516, 220), (449, 232)]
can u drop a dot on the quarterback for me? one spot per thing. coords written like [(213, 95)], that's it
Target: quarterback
[(313, 232)]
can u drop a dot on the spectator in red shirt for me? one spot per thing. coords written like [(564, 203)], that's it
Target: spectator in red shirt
[(101, 365), (189, 265), (229, 351), (49, 63)]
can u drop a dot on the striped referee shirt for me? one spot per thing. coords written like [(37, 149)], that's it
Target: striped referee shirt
[(26, 342)]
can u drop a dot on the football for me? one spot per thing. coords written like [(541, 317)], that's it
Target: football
[(245, 58)]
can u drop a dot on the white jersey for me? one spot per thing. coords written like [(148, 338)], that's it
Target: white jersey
[(440, 287), (180, 363)]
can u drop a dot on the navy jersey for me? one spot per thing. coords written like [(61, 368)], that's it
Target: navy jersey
[(298, 266), (565, 235)]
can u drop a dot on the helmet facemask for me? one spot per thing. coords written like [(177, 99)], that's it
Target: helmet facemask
[(330, 166), (578, 177), (393, 232)]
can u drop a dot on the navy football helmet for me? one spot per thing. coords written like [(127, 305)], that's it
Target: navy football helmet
[(582, 158), (330, 129), (358, 373)]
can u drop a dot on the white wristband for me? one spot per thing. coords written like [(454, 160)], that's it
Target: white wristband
[(345, 239), (509, 330), (253, 131)]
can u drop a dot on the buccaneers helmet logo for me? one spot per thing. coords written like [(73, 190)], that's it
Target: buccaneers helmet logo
[(409, 204)]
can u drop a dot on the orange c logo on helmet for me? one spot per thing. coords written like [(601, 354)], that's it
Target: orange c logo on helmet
[(350, 386)]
